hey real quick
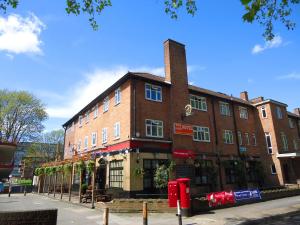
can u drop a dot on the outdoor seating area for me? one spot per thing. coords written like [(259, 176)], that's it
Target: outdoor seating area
[(100, 195)]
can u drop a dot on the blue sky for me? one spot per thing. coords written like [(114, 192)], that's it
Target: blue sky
[(61, 60)]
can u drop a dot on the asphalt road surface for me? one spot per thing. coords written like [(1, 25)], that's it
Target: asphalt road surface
[(284, 211)]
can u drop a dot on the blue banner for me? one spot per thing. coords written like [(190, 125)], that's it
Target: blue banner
[(244, 195)]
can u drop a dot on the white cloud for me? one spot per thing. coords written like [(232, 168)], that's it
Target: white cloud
[(291, 76), (21, 34), (275, 43)]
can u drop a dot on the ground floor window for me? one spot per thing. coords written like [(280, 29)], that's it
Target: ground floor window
[(252, 172), (202, 171), (116, 174), (230, 172), (150, 166)]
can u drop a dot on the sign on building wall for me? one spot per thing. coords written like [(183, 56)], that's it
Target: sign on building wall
[(244, 195), (183, 129)]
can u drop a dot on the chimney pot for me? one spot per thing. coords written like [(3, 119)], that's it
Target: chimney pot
[(244, 95), (297, 111)]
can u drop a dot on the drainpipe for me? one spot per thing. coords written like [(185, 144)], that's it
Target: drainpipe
[(134, 107)]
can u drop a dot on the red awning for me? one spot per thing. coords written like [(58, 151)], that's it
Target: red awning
[(184, 154)]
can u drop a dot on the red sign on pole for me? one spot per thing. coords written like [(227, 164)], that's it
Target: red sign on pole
[(183, 129)]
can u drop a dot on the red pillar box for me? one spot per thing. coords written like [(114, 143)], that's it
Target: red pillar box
[(185, 198), (173, 193)]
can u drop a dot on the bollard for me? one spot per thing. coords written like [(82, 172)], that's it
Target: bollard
[(25, 190), (105, 216), (179, 213), (145, 213)]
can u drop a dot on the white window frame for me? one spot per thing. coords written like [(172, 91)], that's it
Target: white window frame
[(279, 112), (295, 143), (243, 113), (272, 170), (291, 123), (80, 121), (118, 96), (254, 139), (94, 138), (105, 104), (284, 141), (79, 145), (228, 136), (150, 87), (202, 134), (269, 148), (198, 102), (117, 130), (224, 109), (104, 135), (247, 138), (87, 116), (263, 110), (240, 137), (86, 142), (96, 111), (161, 126)]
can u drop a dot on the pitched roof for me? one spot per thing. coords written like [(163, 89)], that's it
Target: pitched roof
[(293, 115)]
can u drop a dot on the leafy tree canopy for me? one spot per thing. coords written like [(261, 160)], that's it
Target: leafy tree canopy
[(21, 116), (265, 12)]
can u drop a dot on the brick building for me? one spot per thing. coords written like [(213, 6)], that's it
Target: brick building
[(219, 141)]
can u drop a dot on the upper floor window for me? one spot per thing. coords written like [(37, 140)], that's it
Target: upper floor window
[(198, 102), (240, 137), (295, 144), (247, 138), (86, 142), (96, 111), (105, 104), (254, 140), (201, 134), (117, 96), (243, 113), (228, 137), (79, 145), (87, 116), (224, 109), (278, 112), (263, 112), (80, 121), (117, 130), (94, 139), (269, 143), (153, 92), (284, 141), (104, 135), (291, 123), (154, 128)]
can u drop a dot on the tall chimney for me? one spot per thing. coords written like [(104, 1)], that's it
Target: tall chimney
[(244, 96), (297, 111)]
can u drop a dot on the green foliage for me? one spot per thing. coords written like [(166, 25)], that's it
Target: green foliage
[(79, 166), (25, 182), (48, 170), (68, 168), (21, 115), (90, 166), (84, 187), (161, 177), (138, 172), (60, 168)]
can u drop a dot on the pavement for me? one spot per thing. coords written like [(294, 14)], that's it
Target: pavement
[(284, 211)]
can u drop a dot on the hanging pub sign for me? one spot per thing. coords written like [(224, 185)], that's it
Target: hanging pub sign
[(183, 129)]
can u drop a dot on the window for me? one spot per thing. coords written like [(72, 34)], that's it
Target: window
[(295, 144), (94, 139), (254, 141), (87, 116), (269, 143), (80, 121), (201, 134), (105, 104), (86, 140), (150, 166), (96, 111), (104, 135), (79, 145), (198, 102), (273, 169), (284, 141), (116, 174), (228, 137), (240, 138), (202, 172), (278, 112), (263, 112), (247, 139), (224, 109), (291, 123), (117, 96), (117, 130), (154, 128), (153, 92), (230, 172), (243, 113)]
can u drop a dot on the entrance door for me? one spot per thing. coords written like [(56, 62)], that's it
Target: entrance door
[(101, 175), (286, 173)]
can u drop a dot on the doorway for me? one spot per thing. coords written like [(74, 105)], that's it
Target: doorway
[(286, 173), (101, 174)]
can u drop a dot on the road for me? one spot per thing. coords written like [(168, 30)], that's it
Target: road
[(277, 212)]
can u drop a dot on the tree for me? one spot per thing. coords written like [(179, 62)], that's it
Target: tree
[(21, 116), (265, 12)]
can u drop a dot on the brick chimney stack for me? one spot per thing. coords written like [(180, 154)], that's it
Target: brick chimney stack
[(297, 111), (244, 96)]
